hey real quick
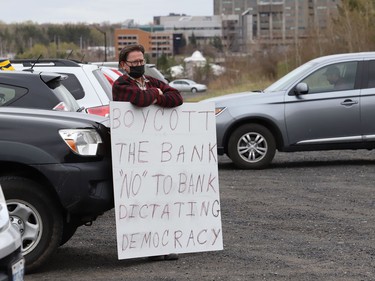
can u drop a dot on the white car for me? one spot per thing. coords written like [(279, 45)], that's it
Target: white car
[(86, 82), (112, 72), (12, 263), (186, 85)]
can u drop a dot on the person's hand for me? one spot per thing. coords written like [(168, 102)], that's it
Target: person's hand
[(160, 94)]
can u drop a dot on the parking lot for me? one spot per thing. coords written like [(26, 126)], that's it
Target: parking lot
[(310, 216)]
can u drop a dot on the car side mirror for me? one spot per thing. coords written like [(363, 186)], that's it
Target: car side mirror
[(301, 89)]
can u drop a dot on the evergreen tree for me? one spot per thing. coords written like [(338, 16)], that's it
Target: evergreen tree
[(193, 40), (217, 43)]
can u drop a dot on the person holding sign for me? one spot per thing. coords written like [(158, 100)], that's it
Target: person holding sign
[(142, 91), (139, 89)]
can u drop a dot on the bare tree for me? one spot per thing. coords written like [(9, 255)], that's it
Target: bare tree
[(353, 29)]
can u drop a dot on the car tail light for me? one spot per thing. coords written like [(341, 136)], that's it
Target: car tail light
[(116, 71), (108, 78), (111, 74), (99, 110), (61, 107)]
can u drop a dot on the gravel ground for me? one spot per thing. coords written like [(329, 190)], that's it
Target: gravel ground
[(310, 216)]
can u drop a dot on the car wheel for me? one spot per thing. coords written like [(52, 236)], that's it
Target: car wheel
[(193, 90), (36, 215), (251, 146)]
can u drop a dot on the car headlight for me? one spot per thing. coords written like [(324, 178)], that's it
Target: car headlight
[(4, 216), (82, 141), (219, 110)]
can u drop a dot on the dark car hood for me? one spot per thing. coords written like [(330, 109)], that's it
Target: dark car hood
[(79, 117)]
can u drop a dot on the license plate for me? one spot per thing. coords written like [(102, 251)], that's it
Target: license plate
[(18, 270)]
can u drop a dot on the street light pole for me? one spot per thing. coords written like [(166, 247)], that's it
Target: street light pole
[(105, 42), (105, 46)]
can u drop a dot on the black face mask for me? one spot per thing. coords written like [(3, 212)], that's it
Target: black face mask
[(136, 71)]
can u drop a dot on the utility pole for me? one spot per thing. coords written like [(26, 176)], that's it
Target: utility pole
[(105, 41)]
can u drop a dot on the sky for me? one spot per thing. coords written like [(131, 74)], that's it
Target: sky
[(99, 11)]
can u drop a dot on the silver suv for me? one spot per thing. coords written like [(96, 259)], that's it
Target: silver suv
[(325, 104)]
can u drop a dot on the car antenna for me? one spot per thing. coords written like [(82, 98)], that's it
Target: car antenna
[(71, 51), (35, 62)]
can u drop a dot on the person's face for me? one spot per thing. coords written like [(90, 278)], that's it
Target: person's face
[(135, 58), (332, 78)]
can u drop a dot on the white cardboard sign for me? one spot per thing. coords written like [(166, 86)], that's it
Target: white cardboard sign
[(165, 174)]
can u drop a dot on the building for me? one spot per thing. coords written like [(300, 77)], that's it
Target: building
[(202, 28), (124, 37), (170, 33), (239, 24), (276, 21), (233, 7), (155, 43)]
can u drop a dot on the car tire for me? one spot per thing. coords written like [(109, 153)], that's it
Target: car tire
[(37, 216), (251, 146), (193, 90)]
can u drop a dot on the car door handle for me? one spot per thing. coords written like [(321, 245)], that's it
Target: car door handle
[(349, 102)]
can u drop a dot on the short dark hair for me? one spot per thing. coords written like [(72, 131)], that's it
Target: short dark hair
[(332, 70), (128, 49)]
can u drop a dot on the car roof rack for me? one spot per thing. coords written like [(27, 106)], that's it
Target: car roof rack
[(45, 62)]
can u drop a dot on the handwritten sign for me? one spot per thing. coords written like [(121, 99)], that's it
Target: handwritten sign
[(165, 175)]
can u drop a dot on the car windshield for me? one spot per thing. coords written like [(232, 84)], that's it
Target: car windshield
[(151, 70), (283, 83)]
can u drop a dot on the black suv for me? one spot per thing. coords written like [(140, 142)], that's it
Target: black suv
[(35, 90), (55, 172)]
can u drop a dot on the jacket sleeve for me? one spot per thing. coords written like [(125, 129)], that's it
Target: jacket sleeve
[(171, 97), (124, 90)]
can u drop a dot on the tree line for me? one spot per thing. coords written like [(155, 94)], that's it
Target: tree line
[(29, 39), (352, 29)]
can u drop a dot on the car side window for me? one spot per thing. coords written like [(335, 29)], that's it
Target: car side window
[(334, 77), (9, 93), (371, 75), (74, 86)]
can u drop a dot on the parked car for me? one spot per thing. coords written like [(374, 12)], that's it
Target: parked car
[(150, 70), (186, 85), (302, 111), (86, 82), (35, 90), (111, 73), (12, 263), (55, 172)]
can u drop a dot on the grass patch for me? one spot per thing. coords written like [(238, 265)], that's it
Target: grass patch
[(220, 88)]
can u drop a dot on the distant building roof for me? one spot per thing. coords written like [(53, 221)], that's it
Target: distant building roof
[(195, 57)]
